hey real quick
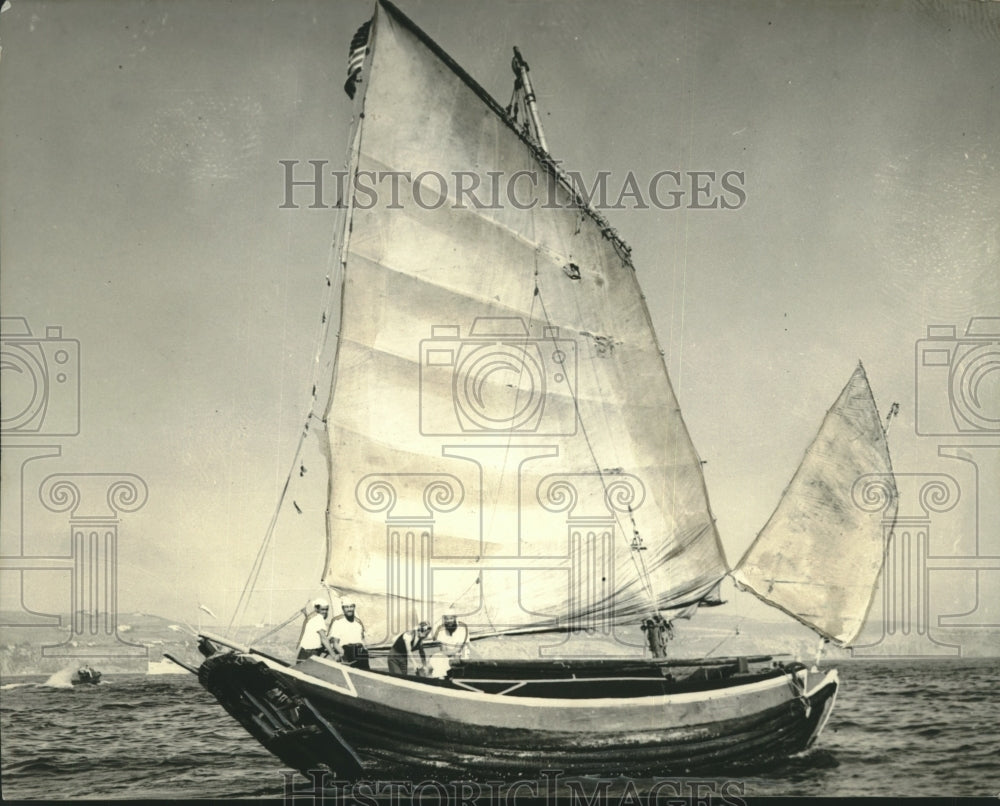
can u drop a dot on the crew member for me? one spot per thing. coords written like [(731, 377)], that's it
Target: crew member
[(312, 640), (348, 636), (453, 637), (659, 632), (405, 649)]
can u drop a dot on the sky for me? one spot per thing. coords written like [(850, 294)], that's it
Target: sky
[(140, 212)]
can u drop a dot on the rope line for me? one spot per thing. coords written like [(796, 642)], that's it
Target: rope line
[(269, 633), (258, 563), (640, 568), (336, 262)]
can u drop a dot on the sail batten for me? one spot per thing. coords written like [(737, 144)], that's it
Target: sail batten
[(819, 555), (482, 204)]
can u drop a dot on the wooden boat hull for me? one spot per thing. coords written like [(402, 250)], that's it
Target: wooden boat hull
[(395, 722)]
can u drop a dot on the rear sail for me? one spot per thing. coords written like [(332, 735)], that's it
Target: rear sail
[(819, 556)]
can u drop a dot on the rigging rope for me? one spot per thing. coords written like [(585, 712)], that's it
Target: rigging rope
[(281, 626), (510, 433), (335, 264), (624, 253), (258, 564), (736, 631), (641, 570), (543, 157), (638, 548)]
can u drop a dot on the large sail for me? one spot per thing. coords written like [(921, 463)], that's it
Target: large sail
[(505, 441), (819, 556)]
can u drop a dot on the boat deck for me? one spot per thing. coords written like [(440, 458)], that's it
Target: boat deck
[(583, 678), (599, 678)]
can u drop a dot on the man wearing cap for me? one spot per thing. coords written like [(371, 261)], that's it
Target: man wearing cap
[(453, 636), (348, 636), (403, 649), (312, 641)]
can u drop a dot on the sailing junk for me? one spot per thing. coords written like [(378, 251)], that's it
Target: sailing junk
[(506, 444)]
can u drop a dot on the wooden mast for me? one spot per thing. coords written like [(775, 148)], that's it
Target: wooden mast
[(520, 67)]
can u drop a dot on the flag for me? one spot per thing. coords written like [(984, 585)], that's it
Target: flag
[(356, 58)]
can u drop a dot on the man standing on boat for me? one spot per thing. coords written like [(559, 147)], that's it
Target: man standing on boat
[(453, 636), (312, 641), (404, 648), (659, 632), (348, 636)]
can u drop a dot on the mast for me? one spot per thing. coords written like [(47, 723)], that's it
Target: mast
[(523, 82)]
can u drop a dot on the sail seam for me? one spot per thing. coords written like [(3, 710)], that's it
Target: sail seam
[(510, 434), (473, 210)]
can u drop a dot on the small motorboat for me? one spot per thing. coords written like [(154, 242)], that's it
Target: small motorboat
[(85, 675)]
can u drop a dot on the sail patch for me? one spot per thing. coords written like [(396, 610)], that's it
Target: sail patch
[(604, 346)]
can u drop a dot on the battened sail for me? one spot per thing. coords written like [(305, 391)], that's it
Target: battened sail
[(505, 441), (819, 556)]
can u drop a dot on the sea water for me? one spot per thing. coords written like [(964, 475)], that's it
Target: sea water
[(899, 728)]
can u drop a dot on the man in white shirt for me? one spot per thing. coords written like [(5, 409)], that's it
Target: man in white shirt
[(452, 636), (348, 636), (311, 641)]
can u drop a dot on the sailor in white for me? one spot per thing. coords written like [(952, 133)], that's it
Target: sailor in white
[(348, 636), (311, 641), (452, 636)]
